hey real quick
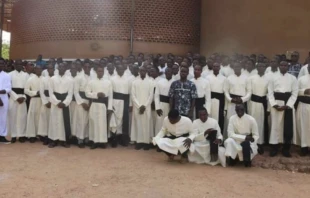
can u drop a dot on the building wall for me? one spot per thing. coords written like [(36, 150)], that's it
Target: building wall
[(96, 28), (251, 26)]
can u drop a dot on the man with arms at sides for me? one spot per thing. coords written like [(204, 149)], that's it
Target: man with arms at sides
[(217, 82), (182, 94), (46, 105), (60, 92), (121, 102), (162, 99), (274, 66), (203, 91), (249, 68), (176, 136), (282, 95), (5, 88), (80, 117), (207, 140), (17, 115), (226, 70), (237, 91), (142, 92), (242, 137), (303, 112), (32, 89)]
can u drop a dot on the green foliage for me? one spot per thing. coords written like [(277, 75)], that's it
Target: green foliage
[(5, 51)]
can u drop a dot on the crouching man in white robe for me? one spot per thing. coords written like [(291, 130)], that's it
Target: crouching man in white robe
[(100, 92), (207, 141), (176, 136), (242, 137), (32, 89)]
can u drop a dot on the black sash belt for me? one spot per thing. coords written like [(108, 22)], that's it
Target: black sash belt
[(66, 114), (104, 100), (83, 95), (221, 98), (125, 97), (46, 93), (18, 90), (213, 147), (288, 117), (304, 99), (263, 100), (245, 104), (199, 102), (175, 137), (164, 99)]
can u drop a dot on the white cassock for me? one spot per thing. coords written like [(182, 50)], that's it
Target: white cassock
[(238, 129), (249, 74), (17, 115), (108, 76), (45, 72), (268, 70), (44, 111), (131, 79), (98, 120), (5, 84), (142, 93), (201, 145), (282, 84), (217, 97), (206, 72), (73, 104), (239, 86), (176, 77), (259, 90), (162, 70), (303, 111), (60, 90), (226, 70), (154, 113), (204, 94), (121, 103), (181, 131), (303, 71), (93, 74), (80, 127), (32, 87), (161, 99)]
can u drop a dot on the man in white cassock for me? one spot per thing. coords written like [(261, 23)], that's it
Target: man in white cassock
[(162, 99), (226, 70), (249, 69), (100, 92), (121, 104), (258, 104), (73, 104), (274, 67), (242, 137), (5, 88), (80, 117), (217, 82), (32, 89), (46, 105), (60, 92), (142, 93), (303, 112), (207, 140), (203, 91), (282, 95), (155, 77), (237, 91), (176, 136), (17, 115)]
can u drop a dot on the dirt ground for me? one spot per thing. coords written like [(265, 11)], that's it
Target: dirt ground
[(33, 170)]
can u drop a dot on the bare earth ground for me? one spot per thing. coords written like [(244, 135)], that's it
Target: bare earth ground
[(33, 170)]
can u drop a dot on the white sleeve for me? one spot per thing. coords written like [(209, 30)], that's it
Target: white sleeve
[(68, 99), (156, 98), (89, 92), (231, 132), (294, 94), (272, 100), (53, 98), (28, 89)]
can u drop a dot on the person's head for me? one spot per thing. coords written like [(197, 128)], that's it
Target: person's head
[(142, 72), (261, 68), (203, 114), (283, 67), (52, 61), (174, 116), (120, 69), (110, 68), (275, 62), (240, 110), (225, 61), (30, 68), (168, 73), (237, 68), (73, 70), (59, 60), (78, 65), (50, 69), (197, 71), (189, 54), (141, 55), (179, 60), (295, 57), (154, 72), (249, 65), (86, 68), (188, 61), (148, 68), (162, 61), (175, 69), (135, 70), (184, 64), (100, 72), (216, 68), (260, 58), (18, 65), (131, 59), (184, 73), (2, 64), (158, 56), (210, 63), (103, 62), (39, 57), (38, 71), (170, 62), (61, 69), (140, 60), (283, 57), (195, 62)]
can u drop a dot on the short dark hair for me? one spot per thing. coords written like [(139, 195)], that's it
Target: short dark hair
[(173, 114)]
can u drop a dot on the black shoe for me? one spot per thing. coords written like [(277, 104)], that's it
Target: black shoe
[(260, 150), (65, 144), (286, 153), (45, 141), (93, 146), (146, 147), (304, 151), (103, 145), (32, 140), (52, 144), (22, 139), (81, 145), (138, 146), (3, 140), (231, 161), (247, 164), (13, 140), (74, 140), (273, 153)]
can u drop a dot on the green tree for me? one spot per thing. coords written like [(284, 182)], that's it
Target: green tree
[(5, 51)]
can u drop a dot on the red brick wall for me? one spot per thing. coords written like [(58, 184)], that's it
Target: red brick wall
[(45, 26)]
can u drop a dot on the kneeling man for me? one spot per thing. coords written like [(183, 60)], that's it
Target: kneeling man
[(207, 140), (176, 136), (242, 137)]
